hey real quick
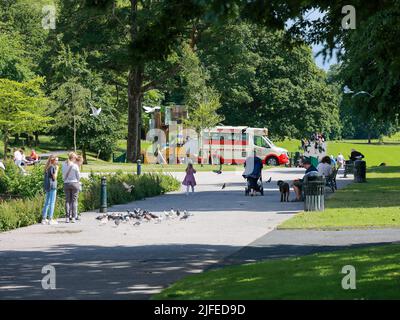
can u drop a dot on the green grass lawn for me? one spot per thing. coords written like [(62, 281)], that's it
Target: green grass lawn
[(375, 204), (375, 153), (316, 276), (107, 167)]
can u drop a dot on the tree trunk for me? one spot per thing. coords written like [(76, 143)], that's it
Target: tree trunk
[(74, 134), (135, 96), (84, 156), (135, 81), (36, 139), (369, 137), (5, 140)]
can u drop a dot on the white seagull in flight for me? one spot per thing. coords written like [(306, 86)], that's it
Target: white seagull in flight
[(150, 109), (347, 90), (95, 112)]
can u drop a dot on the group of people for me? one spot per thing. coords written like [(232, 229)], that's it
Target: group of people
[(317, 140), (21, 160), (72, 186)]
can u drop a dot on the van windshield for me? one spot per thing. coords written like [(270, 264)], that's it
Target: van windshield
[(261, 141), (268, 141)]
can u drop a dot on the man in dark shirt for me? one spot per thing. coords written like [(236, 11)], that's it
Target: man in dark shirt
[(298, 184), (355, 155)]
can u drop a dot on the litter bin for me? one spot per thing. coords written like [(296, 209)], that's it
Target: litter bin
[(348, 168), (360, 171), (314, 193)]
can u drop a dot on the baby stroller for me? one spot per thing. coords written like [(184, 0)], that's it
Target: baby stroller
[(255, 184)]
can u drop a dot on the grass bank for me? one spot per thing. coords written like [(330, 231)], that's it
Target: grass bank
[(317, 276), (375, 204)]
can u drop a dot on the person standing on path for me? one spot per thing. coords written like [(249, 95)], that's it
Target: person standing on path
[(71, 175), (189, 179), (79, 163), (50, 187)]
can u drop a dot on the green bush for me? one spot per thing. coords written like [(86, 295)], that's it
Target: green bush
[(13, 182), (24, 212), (27, 211), (146, 185)]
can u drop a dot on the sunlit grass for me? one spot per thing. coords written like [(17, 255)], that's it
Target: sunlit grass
[(375, 204), (315, 276)]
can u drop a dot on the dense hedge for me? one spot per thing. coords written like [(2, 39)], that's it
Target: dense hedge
[(145, 185), (27, 210)]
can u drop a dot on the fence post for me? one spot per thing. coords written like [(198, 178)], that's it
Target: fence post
[(139, 167), (103, 195)]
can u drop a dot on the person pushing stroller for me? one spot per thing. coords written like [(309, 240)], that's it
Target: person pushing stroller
[(253, 168)]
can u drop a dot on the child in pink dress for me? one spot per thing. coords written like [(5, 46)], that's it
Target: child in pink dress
[(189, 178)]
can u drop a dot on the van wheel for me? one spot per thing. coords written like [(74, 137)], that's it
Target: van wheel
[(272, 162)]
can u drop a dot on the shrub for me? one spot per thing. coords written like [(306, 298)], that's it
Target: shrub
[(27, 211), (13, 182), (146, 185), (24, 212)]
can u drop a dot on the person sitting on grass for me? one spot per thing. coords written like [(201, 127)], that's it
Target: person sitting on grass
[(189, 179), (50, 188), (298, 183), (34, 157)]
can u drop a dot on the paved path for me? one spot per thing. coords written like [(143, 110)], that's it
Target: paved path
[(291, 243), (127, 262)]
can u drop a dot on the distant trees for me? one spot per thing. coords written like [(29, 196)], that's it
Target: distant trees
[(22, 108), (264, 81)]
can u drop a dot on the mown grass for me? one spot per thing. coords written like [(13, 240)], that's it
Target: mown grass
[(375, 204), (375, 153), (317, 276)]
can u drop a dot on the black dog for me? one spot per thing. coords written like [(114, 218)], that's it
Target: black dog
[(284, 190)]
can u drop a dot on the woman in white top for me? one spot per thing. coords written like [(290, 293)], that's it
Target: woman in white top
[(71, 176), (324, 167)]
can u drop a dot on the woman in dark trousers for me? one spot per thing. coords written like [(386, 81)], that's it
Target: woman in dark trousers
[(71, 177)]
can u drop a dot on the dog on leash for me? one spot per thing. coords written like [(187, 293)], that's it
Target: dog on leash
[(284, 189)]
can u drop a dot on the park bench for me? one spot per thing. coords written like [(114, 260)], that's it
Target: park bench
[(348, 168), (331, 180)]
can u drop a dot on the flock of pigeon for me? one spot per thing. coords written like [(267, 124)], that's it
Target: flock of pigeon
[(139, 216)]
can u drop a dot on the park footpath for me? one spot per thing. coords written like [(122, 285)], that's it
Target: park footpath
[(105, 261)]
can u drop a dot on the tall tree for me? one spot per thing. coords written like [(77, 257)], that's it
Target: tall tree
[(22, 108), (72, 104), (263, 81), (129, 39)]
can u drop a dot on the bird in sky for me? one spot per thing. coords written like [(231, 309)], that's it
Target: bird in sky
[(151, 109), (95, 112), (347, 90)]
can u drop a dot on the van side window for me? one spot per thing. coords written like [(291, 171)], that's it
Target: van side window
[(260, 142)]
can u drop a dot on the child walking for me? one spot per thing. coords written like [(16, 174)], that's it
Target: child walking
[(189, 178)]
